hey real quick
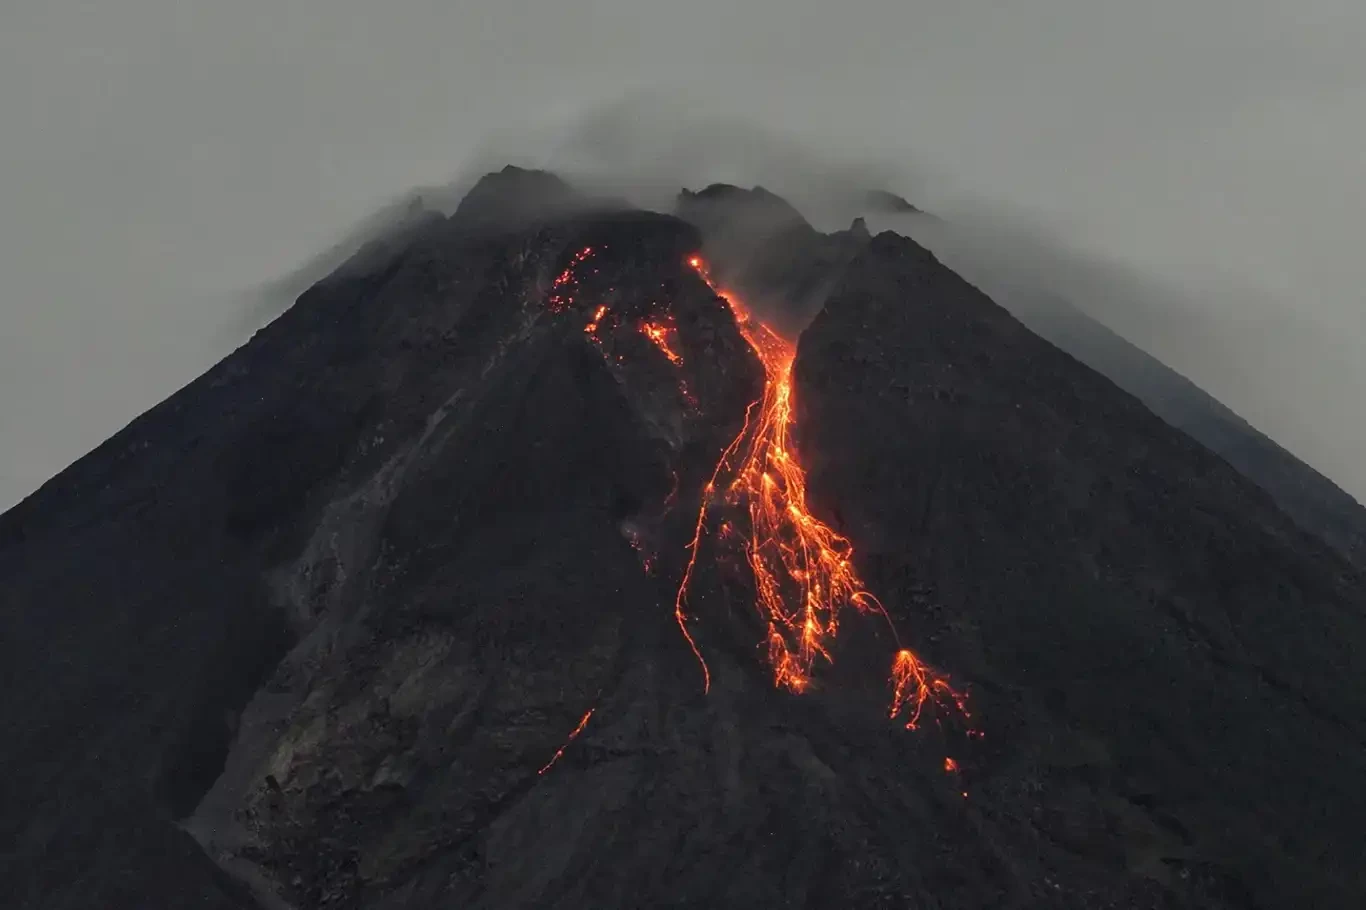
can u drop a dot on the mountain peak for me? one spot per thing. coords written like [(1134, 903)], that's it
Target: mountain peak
[(610, 558), (756, 208), (885, 202), (513, 194)]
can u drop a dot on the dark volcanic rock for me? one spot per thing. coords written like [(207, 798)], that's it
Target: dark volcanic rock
[(762, 247), (1170, 670), (1026, 285), (380, 611), (1315, 502), (514, 197), (410, 414)]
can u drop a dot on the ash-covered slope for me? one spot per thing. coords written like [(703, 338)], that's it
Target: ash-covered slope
[(381, 611), (1155, 644), (1314, 501), (1027, 285)]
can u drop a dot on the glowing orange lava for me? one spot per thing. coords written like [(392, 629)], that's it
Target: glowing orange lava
[(561, 289), (914, 684), (583, 722), (659, 332), (803, 571), (592, 327)]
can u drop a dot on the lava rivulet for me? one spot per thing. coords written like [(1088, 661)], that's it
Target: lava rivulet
[(804, 576), (803, 571), (561, 289), (659, 332), (583, 722)]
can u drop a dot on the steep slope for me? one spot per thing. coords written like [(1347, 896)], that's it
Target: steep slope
[(385, 610), (765, 245), (1019, 273), (1315, 502), (154, 586), (1164, 651)]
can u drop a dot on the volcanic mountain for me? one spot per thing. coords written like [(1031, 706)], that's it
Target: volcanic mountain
[(560, 554)]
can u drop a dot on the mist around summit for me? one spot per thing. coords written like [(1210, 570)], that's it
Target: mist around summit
[(162, 163), (1227, 336)]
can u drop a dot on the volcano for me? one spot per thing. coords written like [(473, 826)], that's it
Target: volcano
[(558, 554)]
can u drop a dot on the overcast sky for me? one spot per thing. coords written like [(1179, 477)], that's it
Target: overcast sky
[(161, 158)]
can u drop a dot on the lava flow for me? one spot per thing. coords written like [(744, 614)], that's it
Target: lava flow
[(561, 295), (803, 569), (803, 572), (658, 331), (583, 722)]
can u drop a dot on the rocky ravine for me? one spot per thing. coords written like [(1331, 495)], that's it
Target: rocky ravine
[(314, 631)]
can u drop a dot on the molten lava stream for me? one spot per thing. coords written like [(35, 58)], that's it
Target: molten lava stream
[(574, 734), (803, 569)]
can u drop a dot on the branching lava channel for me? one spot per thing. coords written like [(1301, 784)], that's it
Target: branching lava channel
[(803, 572), (804, 577)]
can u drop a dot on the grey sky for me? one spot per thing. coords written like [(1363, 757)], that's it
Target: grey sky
[(163, 157)]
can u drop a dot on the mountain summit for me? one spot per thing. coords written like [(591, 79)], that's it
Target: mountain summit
[(560, 554)]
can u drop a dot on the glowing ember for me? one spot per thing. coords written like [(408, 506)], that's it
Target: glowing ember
[(689, 398), (647, 557), (803, 571), (592, 327), (950, 766), (914, 684), (562, 288), (572, 736), (659, 333)]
